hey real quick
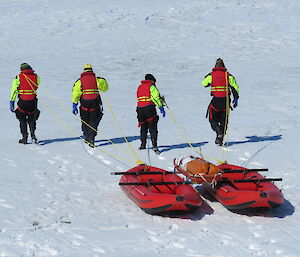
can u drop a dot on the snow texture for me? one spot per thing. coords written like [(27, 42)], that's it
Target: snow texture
[(59, 199)]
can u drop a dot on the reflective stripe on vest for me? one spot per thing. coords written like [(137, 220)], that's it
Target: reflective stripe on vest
[(27, 92), (90, 91), (143, 98)]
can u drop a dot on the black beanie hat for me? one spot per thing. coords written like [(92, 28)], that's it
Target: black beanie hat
[(25, 66), (150, 77), (220, 63)]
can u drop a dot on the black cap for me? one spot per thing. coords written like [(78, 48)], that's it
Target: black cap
[(150, 77), (25, 66), (220, 63)]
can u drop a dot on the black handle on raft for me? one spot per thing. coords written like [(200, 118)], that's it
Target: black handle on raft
[(142, 173), (242, 170), (152, 183), (252, 180)]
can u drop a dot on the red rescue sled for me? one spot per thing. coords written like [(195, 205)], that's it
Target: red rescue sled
[(238, 188), (156, 190), (241, 188)]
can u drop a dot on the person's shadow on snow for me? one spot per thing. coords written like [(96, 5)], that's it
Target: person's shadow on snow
[(165, 148), (116, 140), (255, 139), (55, 140)]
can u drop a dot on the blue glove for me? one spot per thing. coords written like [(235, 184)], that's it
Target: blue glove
[(162, 110), (12, 106), (235, 102), (75, 110)]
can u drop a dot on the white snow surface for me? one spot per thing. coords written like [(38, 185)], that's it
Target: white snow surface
[(59, 198)]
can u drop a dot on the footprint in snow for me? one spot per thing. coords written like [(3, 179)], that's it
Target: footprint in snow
[(10, 162), (247, 154), (37, 148), (161, 157), (174, 227), (78, 166), (51, 161), (106, 162), (256, 163), (154, 239), (61, 159), (63, 168), (98, 250), (153, 233), (246, 158), (178, 245), (5, 205)]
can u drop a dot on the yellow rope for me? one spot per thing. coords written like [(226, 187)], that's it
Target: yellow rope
[(71, 131), (121, 130), (225, 153), (79, 118), (30, 82), (181, 132)]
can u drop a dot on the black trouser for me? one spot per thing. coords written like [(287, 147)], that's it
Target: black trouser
[(27, 113), (217, 115), (148, 120), (91, 114)]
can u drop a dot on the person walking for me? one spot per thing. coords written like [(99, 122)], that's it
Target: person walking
[(221, 84), (86, 90), (148, 97), (24, 86)]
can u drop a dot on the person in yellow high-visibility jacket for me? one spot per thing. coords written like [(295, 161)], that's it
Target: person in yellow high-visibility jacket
[(221, 84), (24, 87), (86, 90), (148, 97)]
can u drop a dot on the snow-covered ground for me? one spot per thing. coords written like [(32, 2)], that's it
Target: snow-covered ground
[(59, 199)]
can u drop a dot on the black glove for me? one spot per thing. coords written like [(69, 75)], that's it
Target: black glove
[(235, 102)]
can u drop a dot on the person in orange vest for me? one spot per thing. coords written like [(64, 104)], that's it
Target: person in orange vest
[(86, 90), (148, 97), (221, 84), (24, 86)]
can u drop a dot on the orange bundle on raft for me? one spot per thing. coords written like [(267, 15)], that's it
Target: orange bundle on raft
[(198, 170)]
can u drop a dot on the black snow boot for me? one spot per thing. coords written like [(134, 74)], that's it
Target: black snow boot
[(219, 140), (33, 138), (23, 140), (143, 145), (92, 142), (155, 149)]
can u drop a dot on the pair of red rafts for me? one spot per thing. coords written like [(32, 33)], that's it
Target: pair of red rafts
[(158, 191)]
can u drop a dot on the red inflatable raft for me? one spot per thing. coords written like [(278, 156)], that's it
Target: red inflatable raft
[(156, 190), (241, 188), (237, 188)]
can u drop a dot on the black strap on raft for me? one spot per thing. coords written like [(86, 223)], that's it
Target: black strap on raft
[(153, 183), (252, 180), (242, 170), (142, 173)]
